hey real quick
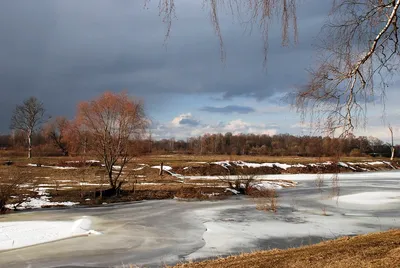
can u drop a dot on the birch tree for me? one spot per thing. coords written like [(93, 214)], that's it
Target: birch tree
[(392, 147), (27, 118), (359, 54), (248, 12)]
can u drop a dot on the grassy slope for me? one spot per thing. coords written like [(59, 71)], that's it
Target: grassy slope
[(371, 250)]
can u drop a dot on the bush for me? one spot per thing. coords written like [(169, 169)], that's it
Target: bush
[(13, 188), (355, 152), (241, 184), (266, 199)]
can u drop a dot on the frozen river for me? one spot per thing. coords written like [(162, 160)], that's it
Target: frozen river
[(168, 231)]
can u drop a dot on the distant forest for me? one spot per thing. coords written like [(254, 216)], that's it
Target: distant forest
[(276, 145), (228, 143)]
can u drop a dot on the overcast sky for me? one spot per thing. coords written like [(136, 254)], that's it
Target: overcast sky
[(63, 52)]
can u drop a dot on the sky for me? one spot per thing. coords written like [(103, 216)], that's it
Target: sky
[(63, 52)]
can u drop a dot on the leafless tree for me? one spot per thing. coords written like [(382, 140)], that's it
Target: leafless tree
[(55, 131), (114, 121), (27, 117), (359, 51), (248, 12)]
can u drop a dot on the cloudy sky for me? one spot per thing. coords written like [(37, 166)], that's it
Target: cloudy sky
[(63, 52)]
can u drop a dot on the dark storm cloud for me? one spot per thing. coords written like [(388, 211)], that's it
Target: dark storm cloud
[(228, 109), (66, 51)]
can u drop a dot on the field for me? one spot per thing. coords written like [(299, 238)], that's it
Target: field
[(82, 181)]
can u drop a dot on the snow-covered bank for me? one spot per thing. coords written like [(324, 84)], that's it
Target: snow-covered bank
[(43, 200), (363, 166), (306, 177), (15, 235)]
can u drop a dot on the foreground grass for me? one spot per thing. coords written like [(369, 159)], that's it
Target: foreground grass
[(371, 250)]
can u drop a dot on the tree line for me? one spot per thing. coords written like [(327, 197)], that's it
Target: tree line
[(60, 137), (276, 145), (114, 126)]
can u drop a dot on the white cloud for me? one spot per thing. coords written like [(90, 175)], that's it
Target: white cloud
[(185, 120), (239, 126)]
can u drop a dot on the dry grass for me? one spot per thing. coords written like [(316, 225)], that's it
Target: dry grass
[(183, 159), (144, 182), (267, 200), (371, 250), (12, 190)]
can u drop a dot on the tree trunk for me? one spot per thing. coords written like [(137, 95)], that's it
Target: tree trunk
[(392, 148), (30, 145), (3, 208), (110, 179), (161, 169)]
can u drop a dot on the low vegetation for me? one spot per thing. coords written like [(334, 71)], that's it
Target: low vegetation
[(371, 250), (84, 181), (13, 187)]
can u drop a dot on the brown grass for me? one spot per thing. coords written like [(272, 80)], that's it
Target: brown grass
[(182, 158), (146, 183), (371, 250), (265, 199)]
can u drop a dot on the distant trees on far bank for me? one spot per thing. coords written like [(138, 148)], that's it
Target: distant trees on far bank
[(276, 145), (116, 119), (77, 141)]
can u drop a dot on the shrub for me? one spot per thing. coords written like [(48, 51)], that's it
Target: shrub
[(241, 184), (266, 200), (13, 188), (355, 152)]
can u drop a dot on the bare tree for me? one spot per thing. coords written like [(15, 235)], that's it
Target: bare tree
[(27, 117), (248, 12), (56, 132), (392, 147), (114, 121), (359, 52)]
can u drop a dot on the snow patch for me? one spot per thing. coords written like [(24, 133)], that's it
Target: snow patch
[(53, 167), (42, 201), (232, 190), (137, 169), (29, 233), (371, 198), (164, 167), (226, 164)]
